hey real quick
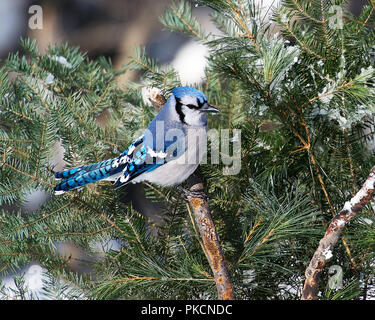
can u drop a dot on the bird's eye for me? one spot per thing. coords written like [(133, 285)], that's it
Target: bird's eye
[(191, 106)]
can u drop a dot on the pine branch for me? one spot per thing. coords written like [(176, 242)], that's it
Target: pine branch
[(335, 228)]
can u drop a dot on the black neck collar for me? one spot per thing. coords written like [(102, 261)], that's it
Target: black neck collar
[(179, 110)]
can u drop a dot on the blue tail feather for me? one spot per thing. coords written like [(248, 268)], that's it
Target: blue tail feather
[(78, 177), (72, 172), (67, 173)]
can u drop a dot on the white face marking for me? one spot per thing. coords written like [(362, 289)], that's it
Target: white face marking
[(193, 117), (188, 99)]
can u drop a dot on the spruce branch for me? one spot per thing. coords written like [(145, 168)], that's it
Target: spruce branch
[(328, 242), (202, 214), (303, 12), (179, 18), (238, 17)]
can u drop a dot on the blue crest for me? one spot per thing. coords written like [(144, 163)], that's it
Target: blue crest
[(183, 91)]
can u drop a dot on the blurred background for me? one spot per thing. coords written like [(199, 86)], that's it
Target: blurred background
[(111, 28)]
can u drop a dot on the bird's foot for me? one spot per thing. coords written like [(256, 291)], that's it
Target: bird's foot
[(192, 194)]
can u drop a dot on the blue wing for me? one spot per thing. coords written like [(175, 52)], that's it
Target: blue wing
[(141, 161), (145, 159)]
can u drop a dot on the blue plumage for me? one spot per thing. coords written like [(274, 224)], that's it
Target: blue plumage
[(78, 177), (187, 91), (145, 159)]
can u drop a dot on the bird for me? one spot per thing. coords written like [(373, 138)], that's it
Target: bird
[(166, 154)]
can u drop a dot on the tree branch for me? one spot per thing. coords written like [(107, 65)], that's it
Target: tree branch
[(211, 242), (332, 235)]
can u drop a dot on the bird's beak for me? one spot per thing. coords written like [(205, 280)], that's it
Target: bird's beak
[(209, 108)]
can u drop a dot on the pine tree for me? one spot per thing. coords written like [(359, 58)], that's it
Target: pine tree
[(303, 102)]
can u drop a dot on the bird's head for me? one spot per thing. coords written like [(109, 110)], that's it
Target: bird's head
[(192, 106)]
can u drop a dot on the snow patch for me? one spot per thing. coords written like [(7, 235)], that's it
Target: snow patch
[(62, 60), (327, 253), (50, 78), (150, 94)]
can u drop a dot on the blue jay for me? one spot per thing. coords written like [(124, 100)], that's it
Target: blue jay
[(154, 156)]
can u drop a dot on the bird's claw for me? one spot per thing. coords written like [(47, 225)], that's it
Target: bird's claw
[(192, 194)]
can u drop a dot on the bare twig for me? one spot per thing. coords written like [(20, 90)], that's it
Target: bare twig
[(211, 242), (327, 243)]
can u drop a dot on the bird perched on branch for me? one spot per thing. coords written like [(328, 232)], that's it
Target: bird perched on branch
[(168, 152)]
